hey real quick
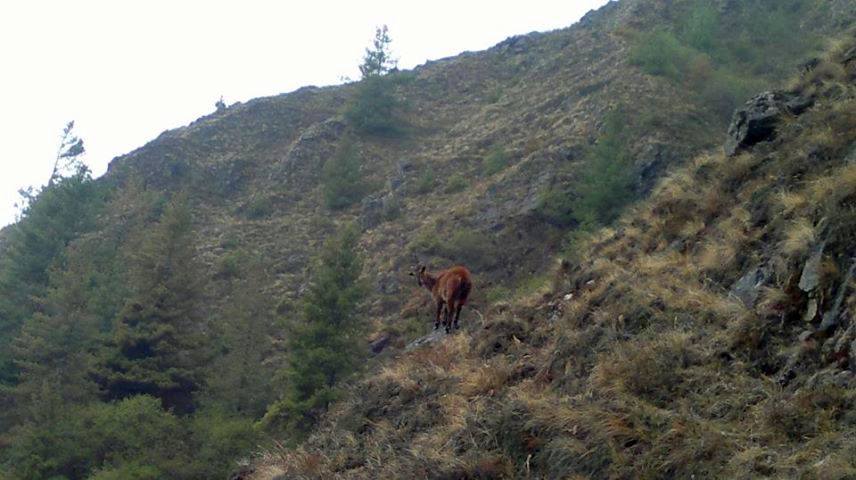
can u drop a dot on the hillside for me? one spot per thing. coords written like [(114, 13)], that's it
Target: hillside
[(540, 99), (576, 172), (708, 334)]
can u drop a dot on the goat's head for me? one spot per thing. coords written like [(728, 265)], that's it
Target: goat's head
[(418, 271)]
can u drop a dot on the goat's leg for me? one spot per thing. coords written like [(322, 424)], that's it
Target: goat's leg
[(450, 310), (458, 314), (440, 306)]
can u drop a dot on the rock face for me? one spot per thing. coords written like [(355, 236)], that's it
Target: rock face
[(379, 343), (757, 120), (748, 288)]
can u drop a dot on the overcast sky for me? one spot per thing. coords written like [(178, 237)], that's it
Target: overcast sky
[(126, 71)]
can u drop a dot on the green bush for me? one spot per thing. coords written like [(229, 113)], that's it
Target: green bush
[(134, 435), (374, 108), (604, 184), (426, 182), (342, 178), (462, 246), (222, 439), (258, 208), (457, 183), (230, 241), (495, 161), (229, 266), (661, 53)]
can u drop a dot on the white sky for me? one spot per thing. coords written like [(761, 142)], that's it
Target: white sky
[(126, 71)]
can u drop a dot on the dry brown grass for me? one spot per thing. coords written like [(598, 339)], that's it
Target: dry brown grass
[(653, 369), (799, 236)]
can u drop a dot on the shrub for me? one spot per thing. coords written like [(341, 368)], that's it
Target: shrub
[(661, 53), (604, 185), (374, 108), (457, 183), (229, 266), (342, 178), (425, 182), (258, 208), (495, 161), (462, 246), (230, 241)]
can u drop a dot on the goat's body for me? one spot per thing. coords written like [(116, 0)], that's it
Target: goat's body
[(450, 290)]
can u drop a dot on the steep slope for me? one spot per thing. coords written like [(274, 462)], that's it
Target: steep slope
[(502, 160), (254, 170), (709, 334)]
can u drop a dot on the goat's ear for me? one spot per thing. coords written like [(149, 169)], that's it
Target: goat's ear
[(423, 269)]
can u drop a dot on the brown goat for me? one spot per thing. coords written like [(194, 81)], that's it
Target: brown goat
[(449, 290)]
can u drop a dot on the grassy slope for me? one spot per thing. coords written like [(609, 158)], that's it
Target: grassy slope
[(638, 361), (254, 170)]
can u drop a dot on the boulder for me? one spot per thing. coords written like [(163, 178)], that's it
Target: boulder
[(810, 277), (748, 287), (651, 161), (379, 343), (377, 208), (756, 121)]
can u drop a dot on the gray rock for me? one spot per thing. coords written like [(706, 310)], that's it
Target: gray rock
[(294, 263), (810, 278), (371, 212), (379, 343), (433, 337), (748, 288), (377, 208), (853, 355), (388, 285), (832, 317), (756, 121), (650, 163)]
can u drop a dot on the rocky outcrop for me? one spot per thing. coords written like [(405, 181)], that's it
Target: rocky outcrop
[(748, 287), (757, 120)]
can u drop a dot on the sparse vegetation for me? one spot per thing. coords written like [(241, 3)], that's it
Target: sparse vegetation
[(604, 186), (323, 348), (495, 161), (456, 183), (343, 180), (426, 182), (705, 331), (649, 365)]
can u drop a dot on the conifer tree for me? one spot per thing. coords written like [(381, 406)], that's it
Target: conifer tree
[(378, 60), (238, 379), (327, 345), (56, 344), (53, 218), (158, 345), (373, 108)]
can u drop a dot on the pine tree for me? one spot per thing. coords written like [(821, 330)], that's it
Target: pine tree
[(327, 345), (239, 381), (56, 344), (51, 220), (373, 108), (378, 60), (158, 344)]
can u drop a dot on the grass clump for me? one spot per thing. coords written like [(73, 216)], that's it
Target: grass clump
[(456, 183), (495, 161), (259, 208), (342, 180), (425, 182), (465, 247)]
